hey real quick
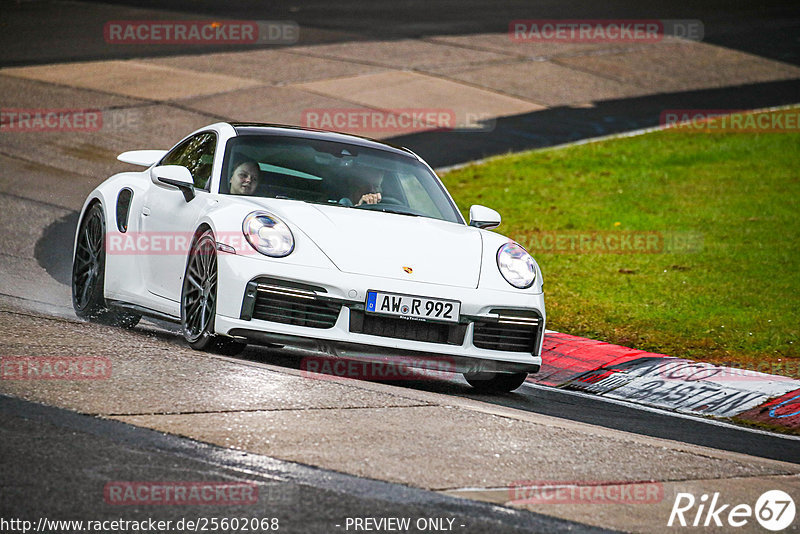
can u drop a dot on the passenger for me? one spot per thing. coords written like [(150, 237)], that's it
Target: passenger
[(245, 178)]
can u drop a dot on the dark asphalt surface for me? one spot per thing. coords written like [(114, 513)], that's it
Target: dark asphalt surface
[(50, 31), (564, 124), (56, 463)]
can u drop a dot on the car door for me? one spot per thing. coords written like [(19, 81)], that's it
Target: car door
[(168, 220)]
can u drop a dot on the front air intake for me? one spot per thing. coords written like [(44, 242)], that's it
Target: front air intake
[(513, 331), (285, 302)]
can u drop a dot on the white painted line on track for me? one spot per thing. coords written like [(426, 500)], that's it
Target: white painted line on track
[(660, 411)]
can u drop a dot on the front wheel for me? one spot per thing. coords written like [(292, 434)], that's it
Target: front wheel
[(495, 382), (199, 299)]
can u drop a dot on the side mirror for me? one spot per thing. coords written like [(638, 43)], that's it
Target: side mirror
[(483, 217), (176, 176)]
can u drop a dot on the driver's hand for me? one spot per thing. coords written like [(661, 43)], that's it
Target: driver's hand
[(370, 198)]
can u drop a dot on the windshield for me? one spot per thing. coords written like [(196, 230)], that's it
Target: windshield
[(335, 174)]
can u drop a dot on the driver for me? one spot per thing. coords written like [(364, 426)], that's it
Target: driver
[(366, 185), (244, 178)]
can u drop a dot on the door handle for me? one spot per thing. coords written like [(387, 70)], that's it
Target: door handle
[(145, 211)]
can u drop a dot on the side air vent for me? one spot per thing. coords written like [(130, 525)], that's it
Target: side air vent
[(123, 208)]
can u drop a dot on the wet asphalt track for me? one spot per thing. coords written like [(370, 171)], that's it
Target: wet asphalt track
[(63, 477), (57, 31)]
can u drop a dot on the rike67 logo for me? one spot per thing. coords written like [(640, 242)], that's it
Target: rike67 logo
[(774, 510)]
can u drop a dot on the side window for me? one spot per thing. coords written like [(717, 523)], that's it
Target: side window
[(175, 155), (197, 155)]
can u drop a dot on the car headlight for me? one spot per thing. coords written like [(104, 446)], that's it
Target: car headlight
[(516, 265), (268, 234)]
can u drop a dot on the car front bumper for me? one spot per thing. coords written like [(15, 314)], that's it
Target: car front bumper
[(241, 278)]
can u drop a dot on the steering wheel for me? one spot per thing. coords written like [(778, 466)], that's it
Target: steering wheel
[(384, 201)]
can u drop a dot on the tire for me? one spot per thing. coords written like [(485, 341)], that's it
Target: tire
[(495, 382), (88, 274), (199, 300)]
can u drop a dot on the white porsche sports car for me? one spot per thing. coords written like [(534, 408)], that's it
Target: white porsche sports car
[(254, 233)]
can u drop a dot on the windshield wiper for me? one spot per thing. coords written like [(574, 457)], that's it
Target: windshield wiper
[(328, 203), (398, 212)]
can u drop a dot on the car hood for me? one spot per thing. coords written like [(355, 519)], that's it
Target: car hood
[(382, 244)]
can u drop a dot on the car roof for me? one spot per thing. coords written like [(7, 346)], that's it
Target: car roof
[(257, 128)]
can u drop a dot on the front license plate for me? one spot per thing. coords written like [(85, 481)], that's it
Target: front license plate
[(413, 307)]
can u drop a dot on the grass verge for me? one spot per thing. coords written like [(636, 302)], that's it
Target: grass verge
[(682, 241)]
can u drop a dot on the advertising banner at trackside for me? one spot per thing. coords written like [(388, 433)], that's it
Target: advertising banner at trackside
[(782, 411), (684, 385), (755, 393)]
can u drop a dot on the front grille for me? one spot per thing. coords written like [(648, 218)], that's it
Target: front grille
[(515, 331), (290, 303), (411, 330)]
